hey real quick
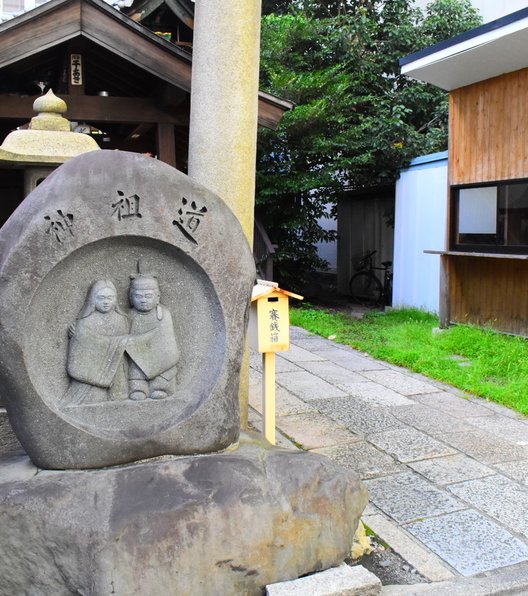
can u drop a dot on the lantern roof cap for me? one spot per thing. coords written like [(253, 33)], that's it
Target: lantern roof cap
[(48, 140)]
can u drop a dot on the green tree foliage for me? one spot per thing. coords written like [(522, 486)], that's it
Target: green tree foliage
[(357, 120)]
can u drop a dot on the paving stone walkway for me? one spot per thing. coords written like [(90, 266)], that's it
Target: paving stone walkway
[(447, 473)]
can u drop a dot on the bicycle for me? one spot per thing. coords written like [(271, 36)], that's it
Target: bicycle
[(365, 287)]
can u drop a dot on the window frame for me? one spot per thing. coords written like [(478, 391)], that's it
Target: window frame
[(498, 246)]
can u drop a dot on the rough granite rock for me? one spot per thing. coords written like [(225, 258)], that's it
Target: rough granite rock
[(227, 523), (9, 444), (105, 216)]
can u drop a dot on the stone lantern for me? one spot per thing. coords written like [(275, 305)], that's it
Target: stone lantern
[(46, 144)]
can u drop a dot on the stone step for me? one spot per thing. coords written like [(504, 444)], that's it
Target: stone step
[(338, 581)]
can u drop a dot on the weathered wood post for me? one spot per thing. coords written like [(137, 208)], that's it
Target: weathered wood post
[(224, 106)]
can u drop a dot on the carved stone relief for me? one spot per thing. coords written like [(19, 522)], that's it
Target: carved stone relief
[(101, 365), (115, 356)]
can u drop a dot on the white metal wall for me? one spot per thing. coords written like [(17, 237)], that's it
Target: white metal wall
[(420, 224)]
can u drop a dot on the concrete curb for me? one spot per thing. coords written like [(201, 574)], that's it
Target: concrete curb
[(511, 581)]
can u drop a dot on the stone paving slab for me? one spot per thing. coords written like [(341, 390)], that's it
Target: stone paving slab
[(429, 420), (333, 373), (299, 333), (315, 343), (400, 382), (436, 487), (357, 414), (409, 444), (281, 364), (451, 469), (428, 564), (453, 404), (484, 447), (440, 385), (498, 408), (297, 354), (500, 498), (502, 426), (285, 402), (363, 458), (516, 470), (469, 542), (351, 360), (408, 497), (255, 422), (313, 431), (375, 394), (307, 386), (370, 509), (332, 343)]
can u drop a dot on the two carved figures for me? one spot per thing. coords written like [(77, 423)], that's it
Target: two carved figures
[(115, 356)]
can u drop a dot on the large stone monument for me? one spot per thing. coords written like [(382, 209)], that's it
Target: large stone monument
[(124, 291), (124, 297)]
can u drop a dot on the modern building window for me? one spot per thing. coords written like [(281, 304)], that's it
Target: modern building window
[(490, 218)]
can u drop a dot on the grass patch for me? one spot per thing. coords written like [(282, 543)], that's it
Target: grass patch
[(476, 360)]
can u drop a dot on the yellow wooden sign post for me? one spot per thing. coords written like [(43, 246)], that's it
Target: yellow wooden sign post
[(269, 333)]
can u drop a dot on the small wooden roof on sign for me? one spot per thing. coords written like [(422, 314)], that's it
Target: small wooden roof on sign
[(264, 288)]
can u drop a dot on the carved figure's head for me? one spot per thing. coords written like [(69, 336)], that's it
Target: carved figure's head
[(105, 300), (144, 293), (101, 297)]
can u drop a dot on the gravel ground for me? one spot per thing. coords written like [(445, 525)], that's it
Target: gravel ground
[(388, 566)]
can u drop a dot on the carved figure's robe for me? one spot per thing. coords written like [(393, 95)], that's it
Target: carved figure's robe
[(152, 344), (95, 359)]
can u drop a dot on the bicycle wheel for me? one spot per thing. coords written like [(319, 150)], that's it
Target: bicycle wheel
[(365, 288)]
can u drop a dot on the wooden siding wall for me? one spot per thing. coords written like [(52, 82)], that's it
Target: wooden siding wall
[(488, 141), (488, 130), (489, 291)]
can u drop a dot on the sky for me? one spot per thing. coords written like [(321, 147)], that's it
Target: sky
[(490, 9)]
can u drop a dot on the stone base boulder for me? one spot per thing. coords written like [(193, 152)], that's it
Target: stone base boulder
[(227, 523), (8, 442)]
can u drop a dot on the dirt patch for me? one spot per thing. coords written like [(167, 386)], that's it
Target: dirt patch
[(388, 566)]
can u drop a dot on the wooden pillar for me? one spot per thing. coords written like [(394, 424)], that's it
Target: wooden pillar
[(166, 144), (268, 396), (444, 302)]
